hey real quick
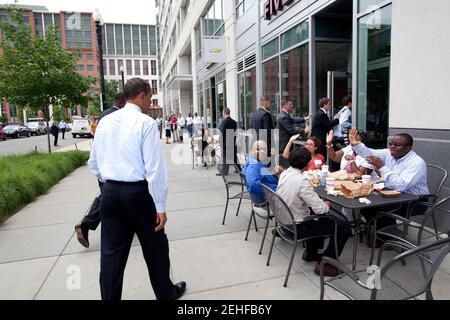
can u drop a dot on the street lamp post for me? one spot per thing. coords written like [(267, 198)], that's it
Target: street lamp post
[(122, 70), (98, 28)]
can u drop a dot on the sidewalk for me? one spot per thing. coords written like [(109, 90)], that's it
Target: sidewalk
[(39, 252)]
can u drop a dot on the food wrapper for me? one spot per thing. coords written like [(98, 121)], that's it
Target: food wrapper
[(344, 176), (354, 190)]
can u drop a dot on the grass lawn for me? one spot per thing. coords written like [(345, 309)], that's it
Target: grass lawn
[(24, 178)]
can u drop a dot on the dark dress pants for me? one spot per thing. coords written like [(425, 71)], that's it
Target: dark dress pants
[(63, 132), (126, 209), (323, 226), (92, 219), (55, 142)]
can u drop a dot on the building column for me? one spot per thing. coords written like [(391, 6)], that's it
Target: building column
[(231, 65)]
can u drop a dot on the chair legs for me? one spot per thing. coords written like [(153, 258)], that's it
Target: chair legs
[(271, 249), (239, 205), (264, 237), (290, 265), (225, 213), (429, 294), (249, 224)]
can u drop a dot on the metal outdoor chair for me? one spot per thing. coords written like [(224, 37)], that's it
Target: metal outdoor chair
[(261, 210), (436, 177), (286, 226), (233, 180), (421, 229), (406, 276)]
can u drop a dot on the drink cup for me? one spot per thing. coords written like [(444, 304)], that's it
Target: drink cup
[(366, 179), (318, 163), (330, 184), (322, 178), (325, 168)]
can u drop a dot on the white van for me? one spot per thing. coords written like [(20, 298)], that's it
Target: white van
[(81, 128)]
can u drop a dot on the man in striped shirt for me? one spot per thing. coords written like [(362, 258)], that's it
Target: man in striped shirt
[(402, 169)]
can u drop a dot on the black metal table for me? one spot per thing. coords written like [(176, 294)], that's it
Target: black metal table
[(377, 200)]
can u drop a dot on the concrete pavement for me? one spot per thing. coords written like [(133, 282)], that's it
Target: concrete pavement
[(39, 254)]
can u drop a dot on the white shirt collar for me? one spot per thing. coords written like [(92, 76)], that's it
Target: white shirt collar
[(132, 106), (325, 111)]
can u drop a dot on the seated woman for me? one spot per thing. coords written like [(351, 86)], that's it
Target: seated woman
[(312, 144), (348, 159), (298, 193), (256, 172)]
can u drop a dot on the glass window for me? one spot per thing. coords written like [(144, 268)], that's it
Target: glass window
[(270, 49), (112, 67), (153, 67), (363, 5), (38, 24), (271, 83), (119, 64), (127, 39), (374, 63), (137, 67), (154, 86), (144, 41), (90, 67), (79, 37), (295, 79), (145, 67), (247, 97), (81, 67), (119, 38), (129, 68), (110, 39), (136, 41), (198, 42), (155, 102), (294, 36)]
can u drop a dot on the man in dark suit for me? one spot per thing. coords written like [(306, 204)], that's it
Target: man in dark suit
[(263, 124), (92, 219), (322, 125), (286, 128), (228, 141)]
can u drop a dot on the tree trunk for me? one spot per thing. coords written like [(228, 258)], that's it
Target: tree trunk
[(47, 116)]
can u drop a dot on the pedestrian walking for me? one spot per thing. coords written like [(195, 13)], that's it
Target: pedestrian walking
[(133, 196), (181, 126), (189, 125), (160, 123), (322, 124), (197, 122), (63, 128), (168, 129), (263, 124), (54, 130)]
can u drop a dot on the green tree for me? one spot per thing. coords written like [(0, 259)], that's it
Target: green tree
[(59, 113), (35, 71), (111, 89)]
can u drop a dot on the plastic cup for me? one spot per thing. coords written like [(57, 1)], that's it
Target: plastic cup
[(325, 168), (318, 163), (330, 184), (366, 179)]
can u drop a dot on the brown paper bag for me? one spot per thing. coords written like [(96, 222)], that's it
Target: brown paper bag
[(354, 190)]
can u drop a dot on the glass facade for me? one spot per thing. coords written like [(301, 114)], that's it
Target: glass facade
[(80, 38), (270, 49), (127, 39), (295, 79), (374, 60), (271, 83), (247, 97), (294, 36), (213, 21)]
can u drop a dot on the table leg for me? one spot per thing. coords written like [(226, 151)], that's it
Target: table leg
[(356, 219)]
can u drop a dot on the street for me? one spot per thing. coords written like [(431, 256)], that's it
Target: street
[(25, 145)]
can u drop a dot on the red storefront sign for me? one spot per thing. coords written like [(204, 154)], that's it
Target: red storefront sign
[(271, 7)]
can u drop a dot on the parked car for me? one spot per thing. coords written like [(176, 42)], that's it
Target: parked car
[(37, 128), (17, 131), (81, 128), (2, 134)]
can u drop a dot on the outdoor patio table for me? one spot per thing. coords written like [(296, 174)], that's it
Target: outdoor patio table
[(377, 200)]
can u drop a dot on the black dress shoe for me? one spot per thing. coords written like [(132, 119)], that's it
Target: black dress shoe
[(180, 288), (311, 256), (82, 235)]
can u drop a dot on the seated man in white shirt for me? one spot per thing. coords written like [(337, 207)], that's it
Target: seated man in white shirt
[(298, 193), (402, 169)]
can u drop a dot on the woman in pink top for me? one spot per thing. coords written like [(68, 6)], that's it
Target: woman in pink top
[(312, 144)]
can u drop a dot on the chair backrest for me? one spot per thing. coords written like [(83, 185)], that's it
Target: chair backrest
[(232, 176), (436, 177), (437, 218), (279, 208), (408, 275)]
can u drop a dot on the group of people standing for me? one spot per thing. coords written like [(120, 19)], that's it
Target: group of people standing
[(175, 126)]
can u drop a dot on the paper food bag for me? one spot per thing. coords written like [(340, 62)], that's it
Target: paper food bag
[(354, 190)]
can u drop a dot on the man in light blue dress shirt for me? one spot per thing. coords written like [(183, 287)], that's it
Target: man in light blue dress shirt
[(402, 169), (127, 156)]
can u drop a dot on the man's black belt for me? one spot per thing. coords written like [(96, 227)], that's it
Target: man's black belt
[(135, 183)]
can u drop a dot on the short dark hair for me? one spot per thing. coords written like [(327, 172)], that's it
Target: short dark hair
[(316, 140), (409, 139), (323, 102), (299, 158), (347, 100), (286, 101), (134, 87), (226, 111), (363, 136), (120, 99)]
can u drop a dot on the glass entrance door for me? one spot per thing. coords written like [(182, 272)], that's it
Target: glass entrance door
[(339, 86)]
